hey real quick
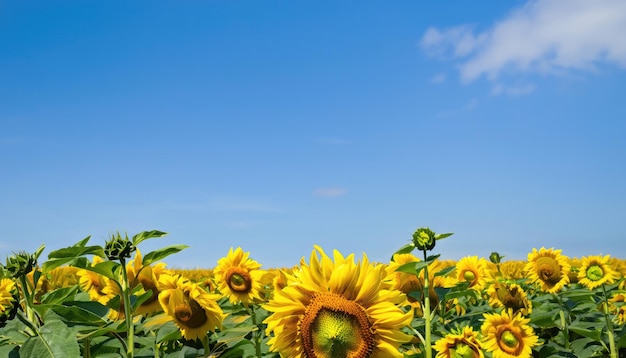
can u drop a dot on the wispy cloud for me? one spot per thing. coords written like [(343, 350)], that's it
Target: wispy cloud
[(329, 192), (438, 78), (543, 36), (519, 90)]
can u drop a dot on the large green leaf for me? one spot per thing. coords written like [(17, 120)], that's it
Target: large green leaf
[(55, 339), (406, 249), (413, 267), (162, 253), (145, 235)]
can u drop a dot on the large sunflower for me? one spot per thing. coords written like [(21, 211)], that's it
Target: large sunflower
[(549, 268), (463, 343), (94, 283), (473, 270), (192, 309), (148, 277), (508, 335), (238, 277), (7, 289), (510, 296), (337, 308), (596, 271), (618, 307)]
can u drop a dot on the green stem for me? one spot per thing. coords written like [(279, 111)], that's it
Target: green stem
[(427, 343), (609, 325), (130, 328), (257, 338), (564, 324), (28, 299)]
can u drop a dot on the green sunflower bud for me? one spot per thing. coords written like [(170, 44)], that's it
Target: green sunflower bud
[(118, 247), (495, 257), (20, 264), (424, 239)]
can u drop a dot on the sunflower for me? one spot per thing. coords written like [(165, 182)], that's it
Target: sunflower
[(596, 271), (510, 296), (337, 308), (238, 277), (508, 335), (147, 277), (473, 270), (94, 283), (618, 307), (549, 268), (7, 289), (192, 309), (463, 343)]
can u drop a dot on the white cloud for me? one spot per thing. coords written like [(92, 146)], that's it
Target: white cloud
[(438, 78), (329, 192), (520, 90), (543, 36)]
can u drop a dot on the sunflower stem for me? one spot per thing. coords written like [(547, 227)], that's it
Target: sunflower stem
[(564, 324), (257, 336), (28, 299), (427, 343), (609, 325), (130, 328)]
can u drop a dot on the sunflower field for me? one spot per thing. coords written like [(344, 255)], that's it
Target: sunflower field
[(116, 301)]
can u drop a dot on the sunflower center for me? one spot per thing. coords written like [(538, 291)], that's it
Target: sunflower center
[(548, 270), (239, 280), (509, 342), (333, 326), (191, 314), (595, 273), (462, 351), (469, 276)]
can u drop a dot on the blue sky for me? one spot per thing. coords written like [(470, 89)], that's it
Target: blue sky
[(277, 125)]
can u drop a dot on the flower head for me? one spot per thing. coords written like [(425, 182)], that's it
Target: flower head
[(510, 296), (95, 284), (463, 343), (618, 307), (549, 268), (337, 308), (238, 277), (192, 309), (7, 291), (508, 335), (473, 270), (596, 271)]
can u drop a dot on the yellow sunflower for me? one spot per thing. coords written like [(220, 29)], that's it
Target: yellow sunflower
[(7, 289), (337, 308), (148, 277), (618, 307), (549, 268), (510, 296), (473, 270), (192, 309), (596, 271), (508, 335), (238, 277), (94, 283), (463, 343)]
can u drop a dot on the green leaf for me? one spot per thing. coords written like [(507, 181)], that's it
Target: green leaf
[(445, 271), (59, 295), (412, 267), (55, 339), (443, 236), (162, 253), (107, 269), (586, 332), (406, 249), (145, 235)]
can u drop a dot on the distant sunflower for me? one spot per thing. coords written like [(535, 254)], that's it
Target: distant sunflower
[(473, 270), (337, 308), (94, 283), (508, 335), (596, 271), (238, 277), (463, 343), (549, 268), (510, 296), (192, 309), (618, 307), (7, 289)]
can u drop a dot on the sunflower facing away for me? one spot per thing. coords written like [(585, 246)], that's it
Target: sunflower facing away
[(238, 277), (596, 271), (337, 308), (94, 283), (192, 309), (508, 335), (549, 268), (463, 343), (510, 296), (148, 277), (473, 270)]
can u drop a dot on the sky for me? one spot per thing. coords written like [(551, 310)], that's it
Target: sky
[(279, 125)]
